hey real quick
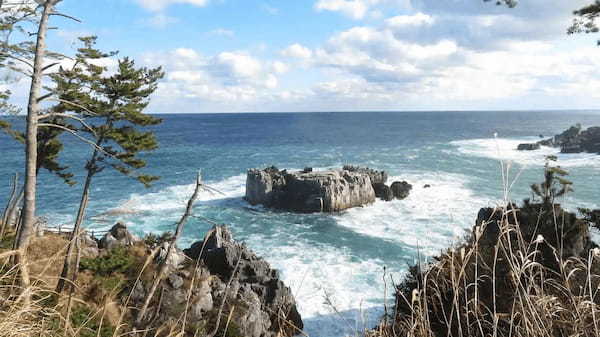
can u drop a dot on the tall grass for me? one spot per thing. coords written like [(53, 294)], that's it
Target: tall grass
[(527, 270)]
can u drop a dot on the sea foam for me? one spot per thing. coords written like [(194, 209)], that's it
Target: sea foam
[(506, 150)]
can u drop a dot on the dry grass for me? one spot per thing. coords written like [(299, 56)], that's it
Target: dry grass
[(102, 305), (510, 278)]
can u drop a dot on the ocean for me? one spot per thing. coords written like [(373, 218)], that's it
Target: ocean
[(334, 263)]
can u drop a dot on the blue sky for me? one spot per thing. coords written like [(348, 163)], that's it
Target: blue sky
[(323, 55)]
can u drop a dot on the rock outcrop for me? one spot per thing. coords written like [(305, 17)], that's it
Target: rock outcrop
[(117, 236), (307, 192), (576, 140), (540, 219), (270, 304), (401, 189), (321, 191), (528, 147), (383, 192), (216, 282), (377, 177)]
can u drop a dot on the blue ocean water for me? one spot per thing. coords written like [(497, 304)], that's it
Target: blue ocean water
[(334, 263)]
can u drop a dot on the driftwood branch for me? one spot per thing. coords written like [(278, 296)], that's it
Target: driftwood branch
[(163, 264)]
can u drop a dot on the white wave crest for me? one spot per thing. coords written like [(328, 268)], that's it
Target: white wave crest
[(506, 150)]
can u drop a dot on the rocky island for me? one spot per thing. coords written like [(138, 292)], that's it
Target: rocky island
[(573, 140), (309, 191)]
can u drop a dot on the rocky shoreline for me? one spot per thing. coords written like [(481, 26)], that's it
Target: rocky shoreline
[(572, 140), (215, 281)]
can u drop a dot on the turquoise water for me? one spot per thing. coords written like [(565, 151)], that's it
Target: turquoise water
[(334, 263)]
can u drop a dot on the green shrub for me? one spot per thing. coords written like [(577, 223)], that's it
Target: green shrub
[(80, 318), (152, 240), (117, 260)]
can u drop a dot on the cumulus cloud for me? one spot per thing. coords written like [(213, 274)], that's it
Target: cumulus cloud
[(157, 5), (230, 80), (356, 9), (402, 21), (419, 54), (297, 50)]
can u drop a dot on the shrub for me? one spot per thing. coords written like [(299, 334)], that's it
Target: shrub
[(117, 260)]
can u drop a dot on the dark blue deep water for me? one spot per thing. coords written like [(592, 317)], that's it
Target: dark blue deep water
[(334, 259)]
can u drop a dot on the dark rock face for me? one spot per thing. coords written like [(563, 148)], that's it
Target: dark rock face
[(323, 191), (576, 140), (528, 147), (539, 219), (117, 236), (267, 298), (383, 192), (401, 189)]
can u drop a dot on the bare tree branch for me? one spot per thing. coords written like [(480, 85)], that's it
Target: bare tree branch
[(80, 120), (74, 133)]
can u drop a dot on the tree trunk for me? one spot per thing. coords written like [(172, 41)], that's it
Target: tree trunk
[(33, 108), (9, 205), (14, 210), (74, 239), (163, 265)]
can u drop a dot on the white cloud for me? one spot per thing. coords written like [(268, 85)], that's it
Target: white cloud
[(227, 81), (222, 32), (160, 21), (418, 19), (157, 5), (279, 67), (355, 9), (297, 50)]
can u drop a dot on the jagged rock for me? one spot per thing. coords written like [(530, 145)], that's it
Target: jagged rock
[(563, 138), (175, 281), (383, 192), (528, 147), (202, 301), (176, 259), (117, 236), (377, 177), (426, 186), (323, 191), (401, 189), (576, 140), (89, 246), (540, 219), (255, 284)]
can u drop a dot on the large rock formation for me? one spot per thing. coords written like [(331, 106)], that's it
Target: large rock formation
[(216, 283), (321, 191), (576, 140), (270, 304), (401, 189)]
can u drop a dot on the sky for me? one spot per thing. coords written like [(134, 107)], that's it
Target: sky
[(345, 55)]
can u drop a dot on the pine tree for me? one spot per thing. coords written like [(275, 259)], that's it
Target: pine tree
[(113, 106), (554, 184)]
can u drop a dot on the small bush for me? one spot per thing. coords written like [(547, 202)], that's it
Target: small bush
[(153, 240), (117, 260)]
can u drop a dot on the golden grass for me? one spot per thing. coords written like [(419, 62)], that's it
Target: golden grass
[(518, 285)]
